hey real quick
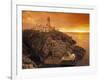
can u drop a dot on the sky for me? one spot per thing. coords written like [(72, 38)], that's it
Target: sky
[(65, 22)]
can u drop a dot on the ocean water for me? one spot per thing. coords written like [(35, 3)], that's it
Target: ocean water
[(82, 40)]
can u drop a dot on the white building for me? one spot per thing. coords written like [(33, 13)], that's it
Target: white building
[(44, 28)]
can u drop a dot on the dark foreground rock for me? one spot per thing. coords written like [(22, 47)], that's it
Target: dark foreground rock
[(49, 49)]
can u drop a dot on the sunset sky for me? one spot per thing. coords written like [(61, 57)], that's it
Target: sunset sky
[(65, 22)]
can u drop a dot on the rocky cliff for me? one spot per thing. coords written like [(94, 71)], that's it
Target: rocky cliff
[(49, 49)]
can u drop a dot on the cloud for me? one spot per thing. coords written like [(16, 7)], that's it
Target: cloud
[(65, 21)]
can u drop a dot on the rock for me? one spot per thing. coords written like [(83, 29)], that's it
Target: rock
[(54, 49), (50, 48), (28, 63), (79, 52)]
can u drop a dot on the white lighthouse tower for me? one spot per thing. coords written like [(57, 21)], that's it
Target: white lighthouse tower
[(44, 28)]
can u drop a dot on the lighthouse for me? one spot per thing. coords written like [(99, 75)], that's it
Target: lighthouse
[(44, 28), (48, 22)]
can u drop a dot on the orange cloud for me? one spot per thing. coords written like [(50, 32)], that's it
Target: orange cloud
[(63, 21)]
